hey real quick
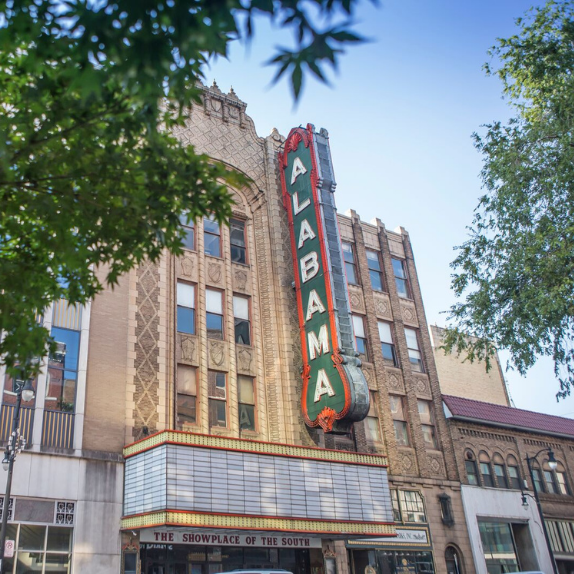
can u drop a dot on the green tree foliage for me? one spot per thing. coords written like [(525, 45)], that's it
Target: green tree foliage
[(516, 271), (90, 178)]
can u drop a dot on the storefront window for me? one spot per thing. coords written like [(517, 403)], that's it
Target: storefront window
[(392, 562), (498, 545)]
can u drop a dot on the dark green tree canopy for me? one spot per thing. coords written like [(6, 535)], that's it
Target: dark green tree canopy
[(516, 270), (90, 177)]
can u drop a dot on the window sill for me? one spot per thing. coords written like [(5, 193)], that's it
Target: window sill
[(246, 265)]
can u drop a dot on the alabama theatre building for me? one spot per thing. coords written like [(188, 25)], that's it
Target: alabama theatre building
[(269, 399)]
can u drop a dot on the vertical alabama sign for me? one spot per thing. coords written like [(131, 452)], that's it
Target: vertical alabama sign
[(335, 392)]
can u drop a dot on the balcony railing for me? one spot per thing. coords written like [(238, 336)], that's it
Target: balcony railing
[(26, 422), (58, 429)]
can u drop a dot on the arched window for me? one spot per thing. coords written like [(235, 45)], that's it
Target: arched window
[(485, 469), (513, 472), (561, 480), (555, 481), (537, 476), (453, 561), (500, 471), (471, 468)]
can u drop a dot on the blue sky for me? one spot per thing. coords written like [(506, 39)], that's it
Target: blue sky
[(400, 114)]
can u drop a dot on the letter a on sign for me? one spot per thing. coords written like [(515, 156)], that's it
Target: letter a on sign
[(314, 305), (323, 386), (305, 233), (298, 169)]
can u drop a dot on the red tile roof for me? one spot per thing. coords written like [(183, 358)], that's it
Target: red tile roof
[(498, 415)]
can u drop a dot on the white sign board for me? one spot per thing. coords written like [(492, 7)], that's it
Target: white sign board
[(9, 549), (272, 540)]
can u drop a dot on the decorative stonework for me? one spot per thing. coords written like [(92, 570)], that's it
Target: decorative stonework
[(409, 313), (240, 277), (187, 349), (146, 382), (370, 377), (187, 265), (396, 248), (244, 359), (356, 299), (217, 355), (421, 385), (214, 272), (383, 306), (395, 381), (406, 462), (435, 466)]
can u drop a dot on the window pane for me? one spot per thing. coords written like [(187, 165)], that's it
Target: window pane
[(500, 475), (60, 390), (396, 407), (412, 506), (425, 411), (57, 563), (237, 232), (186, 380), (184, 220), (401, 433), (372, 429), (217, 413), (471, 472), (241, 307), (514, 477), (376, 281), (398, 268), (214, 325), (214, 301), (537, 480), (130, 563), (67, 351), (246, 417), (351, 275), (246, 394), (562, 484), (373, 260), (486, 474), (358, 326), (361, 345), (401, 288), (185, 295), (31, 537), (185, 320), (429, 436), (238, 254), (396, 508), (389, 354), (416, 361), (550, 482), (216, 385), (412, 341), (59, 539), (211, 245), (29, 562), (242, 332), (189, 239), (211, 225), (385, 333), (348, 253), (186, 408)]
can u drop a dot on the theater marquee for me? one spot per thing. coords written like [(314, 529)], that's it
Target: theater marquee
[(335, 392)]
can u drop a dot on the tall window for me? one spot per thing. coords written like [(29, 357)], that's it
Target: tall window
[(186, 395), (551, 485), (375, 270), (372, 421), (360, 337), (387, 344), (63, 371), (412, 506), (500, 471), (241, 319), (217, 393), (211, 237), (350, 266), (396, 507), (537, 480), (185, 308), (561, 481), (246, 403), (485, 470), (214, 313), (471, 468), (513, 473), (237, 240), (399, 420), (427, 423), (415, 357), (401, 279), (189, 228)]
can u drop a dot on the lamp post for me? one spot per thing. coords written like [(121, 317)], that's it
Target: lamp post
[(552, 463), (25, 392)]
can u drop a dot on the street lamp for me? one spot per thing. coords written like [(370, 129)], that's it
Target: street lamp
[(16, 442), (552, 463)]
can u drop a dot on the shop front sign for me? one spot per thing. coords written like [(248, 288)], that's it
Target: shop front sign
[(183, 536), (335, 391)]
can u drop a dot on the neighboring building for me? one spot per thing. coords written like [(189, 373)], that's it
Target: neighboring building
[(167, 434), (492, 443), (461, 378)]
